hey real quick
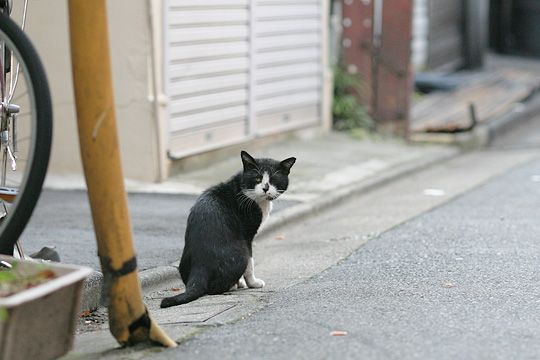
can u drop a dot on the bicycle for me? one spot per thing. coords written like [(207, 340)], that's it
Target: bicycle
[(25, 128)]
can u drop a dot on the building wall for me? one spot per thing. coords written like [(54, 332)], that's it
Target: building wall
[(138, 48), (130, 43)]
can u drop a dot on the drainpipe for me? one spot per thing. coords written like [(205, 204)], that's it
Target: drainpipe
[(159, 99)]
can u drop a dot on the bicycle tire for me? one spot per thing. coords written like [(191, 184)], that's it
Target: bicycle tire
[(31, 185)]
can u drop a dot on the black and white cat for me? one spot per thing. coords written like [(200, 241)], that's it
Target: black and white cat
[(221, 227)]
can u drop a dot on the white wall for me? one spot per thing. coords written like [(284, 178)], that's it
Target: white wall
[(129, 29)]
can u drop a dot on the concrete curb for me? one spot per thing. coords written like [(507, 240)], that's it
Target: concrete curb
[(518, 116), (485, 133), (91, 293), (335, 197), (152, 278), (92, 296)]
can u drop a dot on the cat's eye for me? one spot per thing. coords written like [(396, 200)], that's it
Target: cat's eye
[(258, 179)]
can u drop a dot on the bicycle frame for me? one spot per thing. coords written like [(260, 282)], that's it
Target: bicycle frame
[(5, 7), (27, 148), (8, 117)]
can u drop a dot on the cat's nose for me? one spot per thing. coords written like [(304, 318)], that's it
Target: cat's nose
[(266, 187)]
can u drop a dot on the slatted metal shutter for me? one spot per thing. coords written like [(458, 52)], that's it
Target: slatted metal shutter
[(237, 69), (207, 67), (445, 40), (286, 64)]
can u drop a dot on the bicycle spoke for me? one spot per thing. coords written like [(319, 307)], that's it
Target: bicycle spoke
[(19, 96), (2, 80)]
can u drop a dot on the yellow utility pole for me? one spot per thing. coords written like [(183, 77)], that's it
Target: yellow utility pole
[(129, 321)]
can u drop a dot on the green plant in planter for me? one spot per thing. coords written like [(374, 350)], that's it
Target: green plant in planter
[(349, 114), (16, 278)]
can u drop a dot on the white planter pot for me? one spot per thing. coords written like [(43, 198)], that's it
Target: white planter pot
[(41, 321)]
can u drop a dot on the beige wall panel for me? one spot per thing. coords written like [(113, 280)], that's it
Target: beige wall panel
[(130, 48)]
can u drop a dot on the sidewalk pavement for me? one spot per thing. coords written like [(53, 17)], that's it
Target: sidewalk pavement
[(330, 168)]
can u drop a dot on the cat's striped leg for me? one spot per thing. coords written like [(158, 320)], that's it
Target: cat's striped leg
[(249, 275)]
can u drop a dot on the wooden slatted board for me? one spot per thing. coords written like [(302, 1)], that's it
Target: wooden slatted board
[(492, 95)]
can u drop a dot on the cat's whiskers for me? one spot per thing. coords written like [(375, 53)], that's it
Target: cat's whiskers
[(241, 203), (245, 203)]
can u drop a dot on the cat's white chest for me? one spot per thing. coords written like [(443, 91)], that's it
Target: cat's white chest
[(266, 207)]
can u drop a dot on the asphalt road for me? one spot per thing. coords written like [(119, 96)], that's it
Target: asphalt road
[(63, 219), (458, 282)]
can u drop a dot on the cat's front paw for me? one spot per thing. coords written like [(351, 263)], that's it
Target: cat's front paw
[(242, 283), (255, 283)]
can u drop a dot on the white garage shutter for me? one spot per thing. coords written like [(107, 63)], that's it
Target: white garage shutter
[(237, 69), (207, 67), (286, 55)]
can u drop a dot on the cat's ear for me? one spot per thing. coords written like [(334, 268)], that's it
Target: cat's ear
[(287, 164), (248, 161)]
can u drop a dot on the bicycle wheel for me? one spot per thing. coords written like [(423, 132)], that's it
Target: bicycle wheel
[(25, 131)]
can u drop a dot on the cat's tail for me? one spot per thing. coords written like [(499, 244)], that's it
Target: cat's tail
[(196, 287)]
